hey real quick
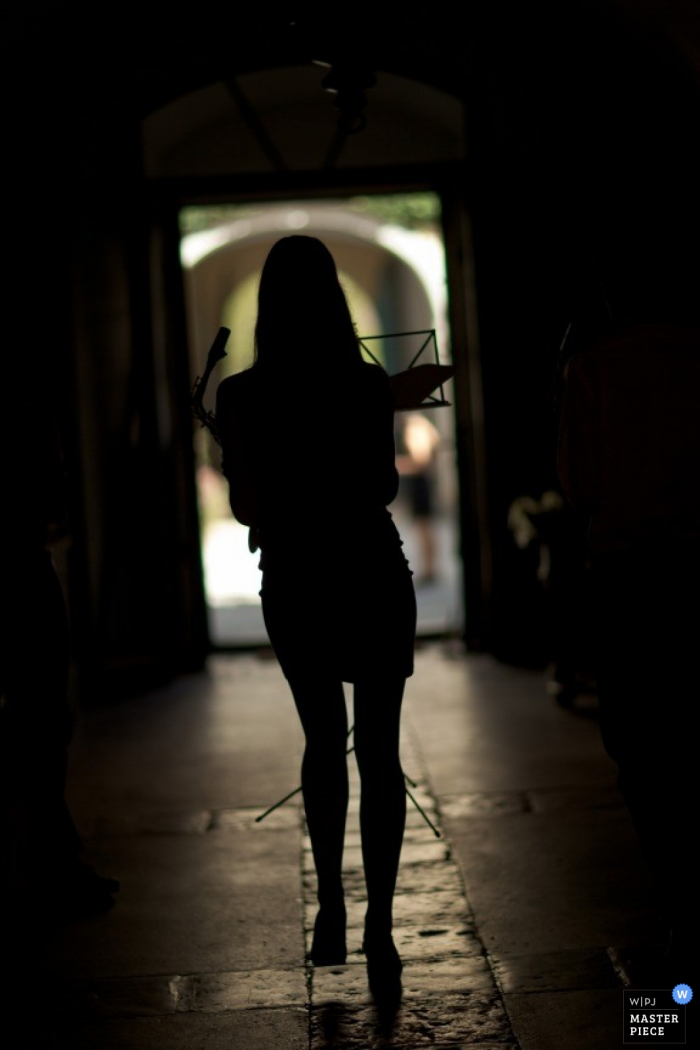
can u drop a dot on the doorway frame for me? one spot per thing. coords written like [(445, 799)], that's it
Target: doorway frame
[(450, 182)]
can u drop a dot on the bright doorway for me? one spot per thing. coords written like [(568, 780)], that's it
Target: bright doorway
[(390, 256)]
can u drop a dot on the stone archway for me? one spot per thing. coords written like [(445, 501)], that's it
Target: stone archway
[(368, 250)]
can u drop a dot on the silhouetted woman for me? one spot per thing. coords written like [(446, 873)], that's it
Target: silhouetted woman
[(308, 449)]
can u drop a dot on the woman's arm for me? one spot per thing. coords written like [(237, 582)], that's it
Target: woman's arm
[(380, 478), (235, 449)]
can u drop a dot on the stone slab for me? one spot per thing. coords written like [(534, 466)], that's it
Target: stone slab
[(284, 1029), (450, 1022), (555, 971)]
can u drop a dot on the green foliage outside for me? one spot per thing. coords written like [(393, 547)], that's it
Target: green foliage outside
[(411, 210)]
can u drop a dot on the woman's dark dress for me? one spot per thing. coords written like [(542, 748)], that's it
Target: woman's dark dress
[(314, 473)]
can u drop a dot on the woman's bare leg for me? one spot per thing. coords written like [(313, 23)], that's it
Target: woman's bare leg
[(324, 778), (383, 797)]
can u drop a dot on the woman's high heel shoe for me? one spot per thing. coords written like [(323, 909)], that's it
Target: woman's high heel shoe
[(384, 966), (328, 947)]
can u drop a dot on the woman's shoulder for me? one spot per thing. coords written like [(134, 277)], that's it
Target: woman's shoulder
[(236, 388)]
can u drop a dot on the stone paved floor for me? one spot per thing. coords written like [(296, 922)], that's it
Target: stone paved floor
[(449, 993), (508, 923)]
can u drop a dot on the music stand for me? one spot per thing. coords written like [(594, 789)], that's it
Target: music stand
[(416, 385)]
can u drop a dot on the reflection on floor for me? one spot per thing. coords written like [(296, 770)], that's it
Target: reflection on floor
[(232, 581)]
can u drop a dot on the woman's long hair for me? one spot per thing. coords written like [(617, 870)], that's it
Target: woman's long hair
[(304, 323)]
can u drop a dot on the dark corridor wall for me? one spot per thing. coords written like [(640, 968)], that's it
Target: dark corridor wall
[(580, 126)]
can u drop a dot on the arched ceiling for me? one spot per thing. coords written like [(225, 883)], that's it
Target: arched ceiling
[(523, 70), (284, 120)]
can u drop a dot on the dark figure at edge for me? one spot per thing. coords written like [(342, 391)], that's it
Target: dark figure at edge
[(629, 459), (42, 875)]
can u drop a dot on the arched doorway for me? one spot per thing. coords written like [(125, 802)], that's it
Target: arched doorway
[(232, 142)]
